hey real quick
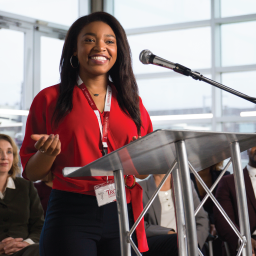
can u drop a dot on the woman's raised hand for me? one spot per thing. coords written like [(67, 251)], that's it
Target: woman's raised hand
[(47, 144)]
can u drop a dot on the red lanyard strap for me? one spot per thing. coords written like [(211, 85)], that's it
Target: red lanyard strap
[(105, 126)]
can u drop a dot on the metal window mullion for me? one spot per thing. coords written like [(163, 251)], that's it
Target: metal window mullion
[(36, 63), (27, 87), (168, 27), (84, 7), (187, 121), (28, 69), (216, 59), (215, 17), (25, 22), (96, 6), (108, 6), (14, 18), (238, 68), (235, 19), (168, 74), (232, 119)]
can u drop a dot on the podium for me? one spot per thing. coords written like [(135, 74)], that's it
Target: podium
[(177, 152)]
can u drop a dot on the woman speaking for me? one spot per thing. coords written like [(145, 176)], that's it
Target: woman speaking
[(93, 111)]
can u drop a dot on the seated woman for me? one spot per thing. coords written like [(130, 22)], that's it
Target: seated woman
[(21, 213), (160, 221)]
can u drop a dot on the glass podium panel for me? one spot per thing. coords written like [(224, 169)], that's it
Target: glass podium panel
[(155, 153)]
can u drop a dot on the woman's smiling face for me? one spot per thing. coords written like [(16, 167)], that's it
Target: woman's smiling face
[(6, 156), (96, 49)]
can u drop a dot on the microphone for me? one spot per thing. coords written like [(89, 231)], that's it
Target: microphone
[(147, 57)]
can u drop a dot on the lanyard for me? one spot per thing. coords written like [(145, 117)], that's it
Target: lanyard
[(105, 126)]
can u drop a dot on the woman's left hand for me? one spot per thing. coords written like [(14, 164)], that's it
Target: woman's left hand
[(13, 245), (135, 138)]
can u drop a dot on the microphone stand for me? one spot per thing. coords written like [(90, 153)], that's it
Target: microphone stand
[(197, 76)]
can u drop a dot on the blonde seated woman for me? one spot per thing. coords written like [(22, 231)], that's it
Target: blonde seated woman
[(21, 213)]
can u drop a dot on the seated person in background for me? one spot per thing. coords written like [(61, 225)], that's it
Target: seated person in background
[(209, 176), (44, 189), (226, 195), (21, 213), (160, 221)]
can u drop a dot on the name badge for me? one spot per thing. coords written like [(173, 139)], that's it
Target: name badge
[(105, 193)]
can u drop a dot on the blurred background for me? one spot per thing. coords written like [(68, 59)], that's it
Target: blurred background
[(215, 37)]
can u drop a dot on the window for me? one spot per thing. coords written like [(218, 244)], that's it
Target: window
[(237, 7), (31, 40), (239, 127), (51, 49), (63, 12), (173, 46), (238, 43), (184, 126), (144, 13), (175, 96), (218, 43), (244, 82), (11, 81), (243, 128)]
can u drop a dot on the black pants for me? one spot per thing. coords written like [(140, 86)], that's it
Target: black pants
[(75, 225), (164, 245)]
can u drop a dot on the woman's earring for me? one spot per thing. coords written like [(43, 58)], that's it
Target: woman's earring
[(71, 62)]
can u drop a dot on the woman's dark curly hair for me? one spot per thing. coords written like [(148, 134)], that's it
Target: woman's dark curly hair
[(121, 73)]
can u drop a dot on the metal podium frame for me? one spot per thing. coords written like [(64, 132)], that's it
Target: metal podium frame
[(180, 169)]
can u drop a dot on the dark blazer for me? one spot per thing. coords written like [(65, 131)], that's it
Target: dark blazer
[(226, 195), (21, 213), (208, 205), (153, 216)]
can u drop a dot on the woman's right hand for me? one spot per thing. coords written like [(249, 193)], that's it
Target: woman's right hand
[(47, 144)]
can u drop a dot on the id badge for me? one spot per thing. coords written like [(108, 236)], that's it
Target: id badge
[(105, 193)]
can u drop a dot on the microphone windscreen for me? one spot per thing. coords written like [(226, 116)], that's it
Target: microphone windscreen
[(144, 56)]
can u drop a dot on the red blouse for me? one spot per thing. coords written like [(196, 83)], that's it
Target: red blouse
[(80, 138)]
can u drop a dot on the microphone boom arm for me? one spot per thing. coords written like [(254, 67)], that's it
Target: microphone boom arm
[(147, 57), (197, 76)]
